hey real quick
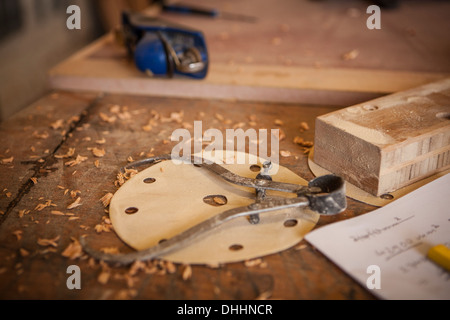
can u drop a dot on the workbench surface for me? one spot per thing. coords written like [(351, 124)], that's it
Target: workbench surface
[(39, 180), (320, 57)]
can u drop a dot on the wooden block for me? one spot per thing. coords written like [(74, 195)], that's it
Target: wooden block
[(390, 142)]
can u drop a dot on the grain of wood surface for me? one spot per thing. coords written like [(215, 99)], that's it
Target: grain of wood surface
[(38, 230)]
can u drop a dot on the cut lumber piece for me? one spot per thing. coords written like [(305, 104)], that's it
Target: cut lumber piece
[(390, 142)]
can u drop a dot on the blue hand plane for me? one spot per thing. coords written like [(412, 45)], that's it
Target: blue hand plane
[(162, 48)]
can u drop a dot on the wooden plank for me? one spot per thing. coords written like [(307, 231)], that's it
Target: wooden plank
[(116, 123), (390, 142), (265, 61)]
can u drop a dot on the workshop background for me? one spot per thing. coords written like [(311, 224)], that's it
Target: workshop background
[(34, 38)]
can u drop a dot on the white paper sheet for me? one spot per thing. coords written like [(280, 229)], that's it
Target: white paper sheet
[(395, 239)]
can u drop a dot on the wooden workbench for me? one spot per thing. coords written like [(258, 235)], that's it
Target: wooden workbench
[(293, 71), (31, 268)]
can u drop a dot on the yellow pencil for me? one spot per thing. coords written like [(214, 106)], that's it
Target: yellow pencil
[(440, 254)]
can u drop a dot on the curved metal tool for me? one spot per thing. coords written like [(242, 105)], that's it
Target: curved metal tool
[(324, 195)]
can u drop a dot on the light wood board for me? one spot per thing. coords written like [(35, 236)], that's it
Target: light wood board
[(390, 142), (294, 53)]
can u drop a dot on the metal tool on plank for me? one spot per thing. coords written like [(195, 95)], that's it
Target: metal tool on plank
[(324, 195), (182, 8), (162, 48)]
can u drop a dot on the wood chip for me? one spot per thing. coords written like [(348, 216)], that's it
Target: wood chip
[(253, 262), (98, 152), (34, 179), (7, 160), (285, 153), (106, 199), (57, 124), (304, 126), (280, 135), (23, 212), (107, 118), (23, 252), (73, 250), (57, 213), (38, 135), (264, 295), (110, 250), (101, 141), (278, 122), (78, 160), (104, 276), (97, 164), (351, 55), (187, 272), (18, 234), (48, 242), (170, 267), (75, 204), (69, 153)]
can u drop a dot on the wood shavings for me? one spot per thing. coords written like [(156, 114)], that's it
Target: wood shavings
[(98, 152), (97, 164), (107, 118), (264, 295), (170, 267), (78, 160), (279, 135), (130, 159), (74, 204), (101, 141), (110, 250), (300, 247), (42, 206), (34, 179), (104, 276), (278, 122), (74, 193), (304, 126), (303, 143), (103, 227), (254, 263), (136, 267), (23, 252), (7, 160), (8, 194), (38, 135), (106, 199), (69, 153), (23, 212), (285, 153), (73, 250), (126, 294), (351, 55), (48, 242), (187, 272), (147, 128), (120, 180), (18, 234), (57, 213), (57, 124)]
